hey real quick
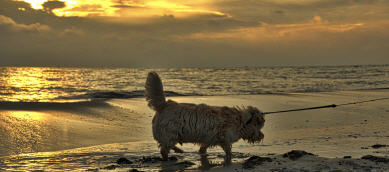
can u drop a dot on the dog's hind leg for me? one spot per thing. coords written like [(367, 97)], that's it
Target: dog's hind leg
[(177, 150), (203, 149), (165, 149), (227, 150)]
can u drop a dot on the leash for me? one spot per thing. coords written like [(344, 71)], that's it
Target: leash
[(326, 106)]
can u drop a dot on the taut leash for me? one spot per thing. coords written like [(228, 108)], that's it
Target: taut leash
[(326, 106)]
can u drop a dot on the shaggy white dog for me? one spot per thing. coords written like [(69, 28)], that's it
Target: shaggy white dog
[(199, 124)]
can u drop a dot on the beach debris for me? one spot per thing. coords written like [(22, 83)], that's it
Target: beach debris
[(364, 148), (134, 170), (185, 164), (296, 154), (110, 167), (150, 159), (347, 157), (336, 171), (173, 158), (155, 159), (377, 146), (254, 161), (376, 158), (354, 135), (122, 161)]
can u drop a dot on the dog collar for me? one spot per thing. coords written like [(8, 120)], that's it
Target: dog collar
[(252, 116)]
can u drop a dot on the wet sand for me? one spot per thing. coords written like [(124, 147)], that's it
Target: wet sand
[(121, 128), (43, 127)]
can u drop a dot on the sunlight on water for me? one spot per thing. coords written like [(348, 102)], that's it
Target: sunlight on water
[(50, 84), (29, 84)]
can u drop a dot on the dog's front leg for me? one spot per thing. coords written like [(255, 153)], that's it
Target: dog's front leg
[(165, 153), (227, 150)]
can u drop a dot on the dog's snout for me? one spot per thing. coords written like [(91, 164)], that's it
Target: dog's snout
[(261, 135)]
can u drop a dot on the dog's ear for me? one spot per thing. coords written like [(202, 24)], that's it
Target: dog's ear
[(249, 113), (253, 112)]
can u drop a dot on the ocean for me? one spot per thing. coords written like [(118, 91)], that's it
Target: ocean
[(53, 84), (85, 119)]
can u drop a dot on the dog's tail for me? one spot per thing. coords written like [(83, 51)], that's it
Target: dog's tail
[(154, 92)]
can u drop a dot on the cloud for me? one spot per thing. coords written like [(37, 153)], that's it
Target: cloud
[(197, 33), (294, 11), (73, 32), (315, 41), (88, 8), (53, 4), (126, 6), (8, 24), (267, 32), (152, 8)]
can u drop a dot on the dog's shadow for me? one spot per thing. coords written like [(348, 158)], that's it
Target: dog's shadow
[(206, 163)]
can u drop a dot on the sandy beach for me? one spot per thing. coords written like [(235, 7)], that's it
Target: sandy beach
[(93, 136)]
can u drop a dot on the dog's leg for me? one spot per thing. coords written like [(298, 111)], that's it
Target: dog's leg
[(227, 150), (203, 149), (165, 152), (205, 164), (177, 150)]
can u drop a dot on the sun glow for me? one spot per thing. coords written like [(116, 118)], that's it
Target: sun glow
[(36, 4), (113, 8)]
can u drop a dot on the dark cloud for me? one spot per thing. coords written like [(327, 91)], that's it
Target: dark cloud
[(89, 8), (298, 11), (279, 12), (126, 6), (53, 4)]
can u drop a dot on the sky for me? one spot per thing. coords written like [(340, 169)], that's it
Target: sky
[(201, 33)]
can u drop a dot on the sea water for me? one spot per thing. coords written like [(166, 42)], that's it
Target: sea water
[(51, 84)]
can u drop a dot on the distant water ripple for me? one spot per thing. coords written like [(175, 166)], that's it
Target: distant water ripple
[(48, 84)]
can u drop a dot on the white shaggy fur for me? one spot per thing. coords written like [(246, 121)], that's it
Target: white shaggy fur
[(199, 124)]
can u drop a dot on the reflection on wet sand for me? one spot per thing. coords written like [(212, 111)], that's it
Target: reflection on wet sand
[(24, 130), (42, 127)]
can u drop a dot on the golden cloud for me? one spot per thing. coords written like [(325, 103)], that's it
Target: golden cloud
[(112, 8), (267, 31)]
